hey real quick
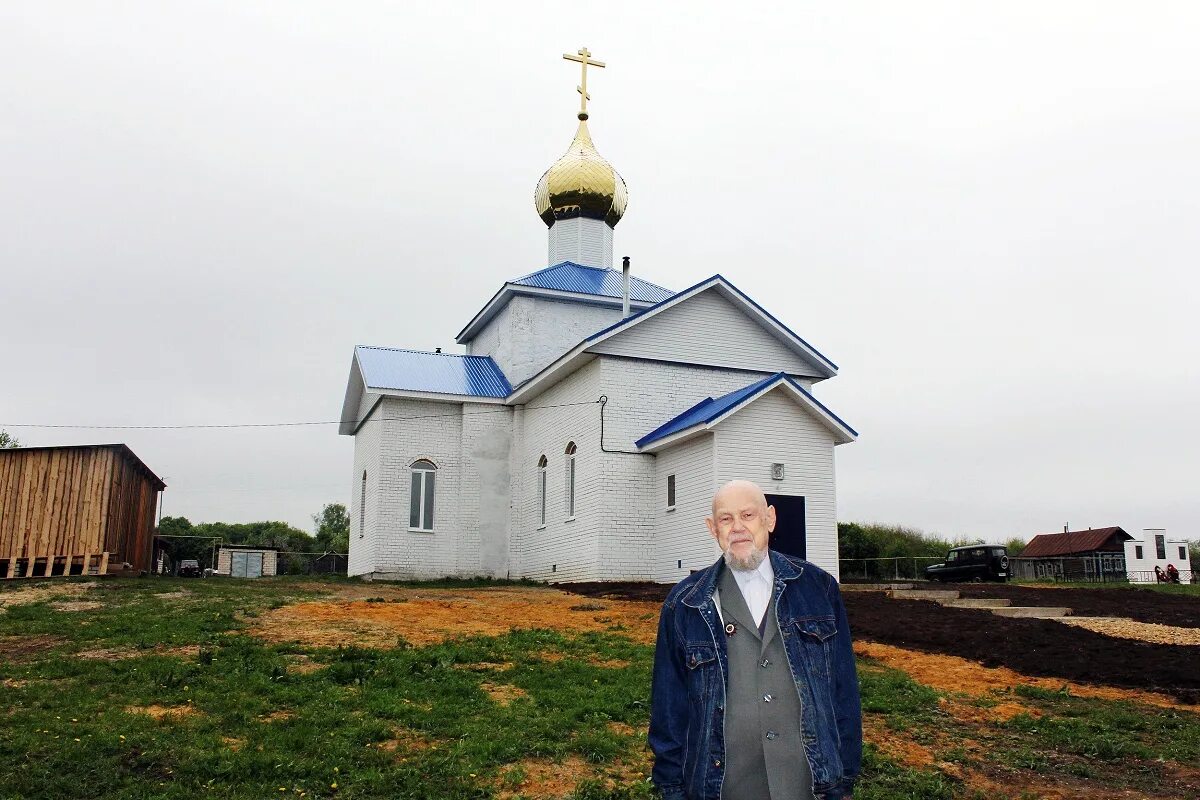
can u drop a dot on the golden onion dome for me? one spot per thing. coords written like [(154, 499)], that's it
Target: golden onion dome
[(581, 184)]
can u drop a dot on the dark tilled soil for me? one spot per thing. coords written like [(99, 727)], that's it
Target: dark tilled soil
[(1143, 605), (1029, 646)]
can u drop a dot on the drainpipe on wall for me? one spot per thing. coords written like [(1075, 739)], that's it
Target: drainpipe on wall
[(624, 287)]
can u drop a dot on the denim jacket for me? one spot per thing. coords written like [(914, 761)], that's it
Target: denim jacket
[(691, 671)]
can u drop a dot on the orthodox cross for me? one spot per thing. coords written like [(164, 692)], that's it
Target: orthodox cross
[(584, 59)]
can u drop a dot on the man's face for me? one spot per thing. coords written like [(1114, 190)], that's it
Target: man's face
[(741, 524)]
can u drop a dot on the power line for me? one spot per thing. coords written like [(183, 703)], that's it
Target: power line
[(210, 426)]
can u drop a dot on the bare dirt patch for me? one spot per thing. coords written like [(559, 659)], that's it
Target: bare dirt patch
[(76, 605), (608, 663), (277, 716), (1138, 631), (179, 595), (426, 616), (486, 666), (233, 743), (38, 593), (542, 779), (954, 674), (301, 664), (16, 648), (108, 654), (503, 693), (162, 712), (404, 743), (895, 746)]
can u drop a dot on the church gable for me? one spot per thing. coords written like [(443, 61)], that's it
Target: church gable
[(716, 327)]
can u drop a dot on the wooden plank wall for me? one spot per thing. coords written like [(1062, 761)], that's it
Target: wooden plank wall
[(130, 530), (75, 500), (52, 501)]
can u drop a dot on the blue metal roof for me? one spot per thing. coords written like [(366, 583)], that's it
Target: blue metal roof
[(709, 409), (439, 373), (571, 277)]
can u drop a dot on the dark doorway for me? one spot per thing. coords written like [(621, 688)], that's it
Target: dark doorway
[(789, 536)]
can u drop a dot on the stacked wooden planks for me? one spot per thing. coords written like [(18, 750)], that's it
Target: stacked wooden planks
[(61, 506)]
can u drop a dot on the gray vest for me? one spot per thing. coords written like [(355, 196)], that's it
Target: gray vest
[(764, 752)]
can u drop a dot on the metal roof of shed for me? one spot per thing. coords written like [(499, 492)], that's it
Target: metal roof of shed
[(440, 373)]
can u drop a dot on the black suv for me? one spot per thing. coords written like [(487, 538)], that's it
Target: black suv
[(976, 562), (189, 568)]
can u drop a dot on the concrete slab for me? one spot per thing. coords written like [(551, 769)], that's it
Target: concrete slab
[(874, 587), (978, 602), (1033, 612), (924, 594)]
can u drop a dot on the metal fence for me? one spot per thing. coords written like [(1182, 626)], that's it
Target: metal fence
[(310, 563), (1097, 568), (880, 570)]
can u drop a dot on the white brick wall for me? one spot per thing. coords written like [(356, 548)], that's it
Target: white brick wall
[(363, 543), (682, 542), (564, 550), (533, 331), (411, 430)]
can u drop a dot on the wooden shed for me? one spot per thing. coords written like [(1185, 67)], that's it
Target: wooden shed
[(79, 509)]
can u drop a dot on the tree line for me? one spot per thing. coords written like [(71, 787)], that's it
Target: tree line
[(186, 540), (858, 541)]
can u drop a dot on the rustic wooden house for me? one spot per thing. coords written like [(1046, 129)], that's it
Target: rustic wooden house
[(1097, 554), (79, 509)]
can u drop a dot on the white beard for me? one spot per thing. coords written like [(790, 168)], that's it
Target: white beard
[(747, 564)]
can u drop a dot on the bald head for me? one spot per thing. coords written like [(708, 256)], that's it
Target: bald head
[(738, 493), (741, 524)]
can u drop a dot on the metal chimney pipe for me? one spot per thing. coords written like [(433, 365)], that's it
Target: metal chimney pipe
[(624, 287)]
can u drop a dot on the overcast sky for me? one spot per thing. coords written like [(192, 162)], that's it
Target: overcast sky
[(988, 215)]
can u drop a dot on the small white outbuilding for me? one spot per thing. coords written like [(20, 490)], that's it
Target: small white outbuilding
[(236, 561), (1156, 549)]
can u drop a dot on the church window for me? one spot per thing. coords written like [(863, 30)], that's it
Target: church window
[(570, 480), (1182, 553), (542, 491), (420, 500), (1137, 552), (670, 492), (362, 507), (1160, 546)]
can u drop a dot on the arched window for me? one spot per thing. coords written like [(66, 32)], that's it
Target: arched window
[(542, 490), (362, 507), (570, 480), (420, 499)]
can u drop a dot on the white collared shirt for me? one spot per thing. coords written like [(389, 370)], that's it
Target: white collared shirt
[(756, 588)]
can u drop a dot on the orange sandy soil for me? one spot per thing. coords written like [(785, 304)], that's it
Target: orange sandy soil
[(953, 674), (426, 616)]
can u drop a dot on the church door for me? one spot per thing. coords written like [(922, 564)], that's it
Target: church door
[(789, 536)]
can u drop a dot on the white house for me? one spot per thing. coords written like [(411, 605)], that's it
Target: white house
[(1156, 550), (583, 432)]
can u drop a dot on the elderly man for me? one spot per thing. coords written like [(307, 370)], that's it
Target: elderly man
[(755, 694)]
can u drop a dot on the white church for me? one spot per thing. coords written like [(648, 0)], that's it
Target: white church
[(583, 432)]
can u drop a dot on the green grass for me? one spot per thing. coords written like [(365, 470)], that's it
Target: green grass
[(271, 720)]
